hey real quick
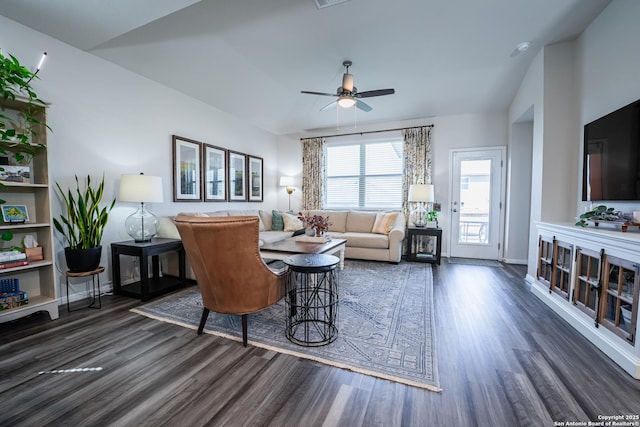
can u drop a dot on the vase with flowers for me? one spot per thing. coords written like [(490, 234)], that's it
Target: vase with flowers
[(316, 225)]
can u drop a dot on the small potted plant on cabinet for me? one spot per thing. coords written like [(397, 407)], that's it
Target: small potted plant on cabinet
[(83, 225)]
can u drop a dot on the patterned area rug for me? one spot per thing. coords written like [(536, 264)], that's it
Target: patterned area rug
[(385, 323), (472, 261)]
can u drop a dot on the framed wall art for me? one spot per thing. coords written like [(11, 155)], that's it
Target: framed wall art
[(255, 183), (187, 170), (215, 174), (237, 176)]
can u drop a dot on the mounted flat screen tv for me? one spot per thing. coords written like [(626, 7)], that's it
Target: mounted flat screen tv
[(611, 166)]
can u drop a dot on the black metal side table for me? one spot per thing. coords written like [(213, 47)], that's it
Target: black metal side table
[(312, 299), (147, 287), (424, 244)]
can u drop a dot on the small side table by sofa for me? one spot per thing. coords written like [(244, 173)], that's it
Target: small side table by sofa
[(147, 287), (311, 299), (424, 244), (93, 274)]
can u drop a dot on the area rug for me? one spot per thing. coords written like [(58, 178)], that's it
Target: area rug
[(385, 323), (473, 261)]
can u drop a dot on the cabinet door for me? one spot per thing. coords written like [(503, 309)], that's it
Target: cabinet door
[(562, 260), (586, 289), (545, 259), (619, 305)]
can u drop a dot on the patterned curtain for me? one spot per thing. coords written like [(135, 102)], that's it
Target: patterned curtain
[(417, 160), (313, 173)]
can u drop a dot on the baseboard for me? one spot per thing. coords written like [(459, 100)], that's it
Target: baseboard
[(514, 261), (105, 288)]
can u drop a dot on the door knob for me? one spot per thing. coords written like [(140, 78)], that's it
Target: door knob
[(455, 210)]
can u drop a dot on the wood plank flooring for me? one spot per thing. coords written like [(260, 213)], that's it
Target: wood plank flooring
[(504, 359)]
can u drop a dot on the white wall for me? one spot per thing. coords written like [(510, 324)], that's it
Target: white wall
[(107, 120), (458, 131), (608, 59), (518, 209), (568, 85)]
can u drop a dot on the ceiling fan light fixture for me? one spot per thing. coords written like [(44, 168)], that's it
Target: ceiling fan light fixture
[(346, 102)]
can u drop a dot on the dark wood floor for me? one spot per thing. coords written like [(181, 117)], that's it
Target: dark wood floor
[(504, 359)]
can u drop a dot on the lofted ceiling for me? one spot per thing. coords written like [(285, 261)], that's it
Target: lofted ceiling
[(251, 58)]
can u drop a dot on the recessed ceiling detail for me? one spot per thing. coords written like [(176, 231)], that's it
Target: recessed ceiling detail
[(321, 4)]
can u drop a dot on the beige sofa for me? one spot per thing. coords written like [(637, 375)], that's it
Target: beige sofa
[(354, 226)]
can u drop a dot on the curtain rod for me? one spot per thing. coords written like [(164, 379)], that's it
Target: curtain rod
[(371, 131)]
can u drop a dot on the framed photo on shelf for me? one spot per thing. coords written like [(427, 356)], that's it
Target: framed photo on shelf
[(15, 213), (215, 174), (187, 170), (237, 166), (255, 179)]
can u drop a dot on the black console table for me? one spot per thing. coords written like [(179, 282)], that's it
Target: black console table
[(312, 299), (424, 244), (147, 287)]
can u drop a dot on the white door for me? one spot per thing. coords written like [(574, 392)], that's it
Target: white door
[(477, 187)]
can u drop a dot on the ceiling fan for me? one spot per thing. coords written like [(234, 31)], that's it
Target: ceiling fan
[(348, 94)]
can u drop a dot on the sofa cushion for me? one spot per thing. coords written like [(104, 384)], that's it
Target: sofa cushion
[(338, 219), (360, 222), (247, 212), (366, 240), (217, 213), (273, 236), (167, 228), (291, 222), (384, 222), (277, 223), (265, 217)]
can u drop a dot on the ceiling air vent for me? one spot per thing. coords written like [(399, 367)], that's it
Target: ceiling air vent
[(321, 4)]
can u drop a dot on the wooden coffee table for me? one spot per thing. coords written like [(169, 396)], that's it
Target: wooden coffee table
[(290, 246)]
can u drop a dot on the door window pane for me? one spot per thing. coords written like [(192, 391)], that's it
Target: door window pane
[(475, 201)]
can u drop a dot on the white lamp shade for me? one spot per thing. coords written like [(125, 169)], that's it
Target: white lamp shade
[(141, 189), (286, 181), (421, 193)]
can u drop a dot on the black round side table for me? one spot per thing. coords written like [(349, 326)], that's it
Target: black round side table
[(312, 299)]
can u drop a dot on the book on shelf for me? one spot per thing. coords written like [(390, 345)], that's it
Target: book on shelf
[(9, 285), (12, 255), (11, 264), (13, 299)]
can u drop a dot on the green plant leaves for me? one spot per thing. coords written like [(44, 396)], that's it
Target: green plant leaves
[(599, 213), (85, 221), (15, 81)]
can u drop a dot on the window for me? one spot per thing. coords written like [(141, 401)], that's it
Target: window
[(364, 174)]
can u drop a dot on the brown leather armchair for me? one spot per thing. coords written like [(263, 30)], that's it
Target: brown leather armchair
[(225, 257)]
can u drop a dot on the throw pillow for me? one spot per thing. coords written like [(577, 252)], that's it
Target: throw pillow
[(384, 222), (277, 223), (291, 222)]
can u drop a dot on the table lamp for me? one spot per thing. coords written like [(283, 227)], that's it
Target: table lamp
[(420, 194), (142, 225)]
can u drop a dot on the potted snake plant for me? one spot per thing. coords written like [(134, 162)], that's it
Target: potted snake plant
[(83, 225)]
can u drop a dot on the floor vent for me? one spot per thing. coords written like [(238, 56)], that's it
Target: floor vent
[(321, 4)]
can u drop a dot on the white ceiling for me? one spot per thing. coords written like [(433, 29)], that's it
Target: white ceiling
[(251, 58)]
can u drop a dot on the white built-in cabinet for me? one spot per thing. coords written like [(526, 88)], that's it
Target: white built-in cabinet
[(38, 277), (591, 277)]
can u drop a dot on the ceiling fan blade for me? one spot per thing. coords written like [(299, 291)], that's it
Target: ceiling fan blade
[(364, 107), (329, 105), (379, 92), (318, 93)]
